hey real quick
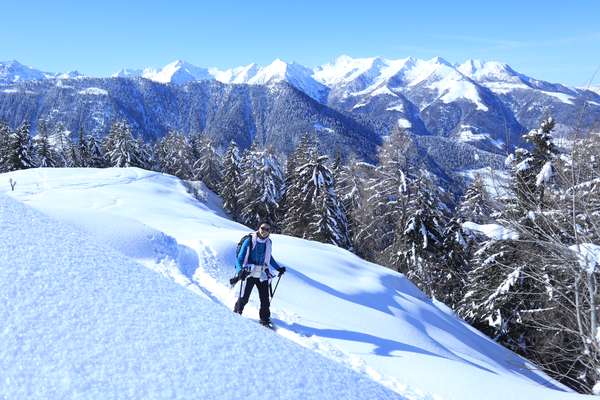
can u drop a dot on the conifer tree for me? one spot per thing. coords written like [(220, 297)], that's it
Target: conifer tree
[(261, 187), (46, 156), (533, 169), (174, 155), (450, 273), (419, 237), (21, 153), (122, 150), (297, 208), (328, 223), (208, 168), (4, 146), (351, 187), (387, 200), (83, 151), (476, 205), (231, 185), (62, 146), (97, 158)]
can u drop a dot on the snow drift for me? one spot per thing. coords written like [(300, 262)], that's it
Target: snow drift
[(363, 316), (80, 320)]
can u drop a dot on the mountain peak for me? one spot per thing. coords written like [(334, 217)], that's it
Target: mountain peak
[(441, 61), (481, 70)]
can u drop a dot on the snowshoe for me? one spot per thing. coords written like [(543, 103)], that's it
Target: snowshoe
[(267, 324)]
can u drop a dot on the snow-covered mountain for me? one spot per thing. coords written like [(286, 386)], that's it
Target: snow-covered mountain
[(178, 72), (485, 104), (13, 72), (593, 88), (181, 72), (102, 324)]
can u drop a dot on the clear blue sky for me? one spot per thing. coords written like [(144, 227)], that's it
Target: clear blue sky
[(552, 40)]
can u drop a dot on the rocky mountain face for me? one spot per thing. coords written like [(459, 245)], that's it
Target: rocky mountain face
[(276, 115)]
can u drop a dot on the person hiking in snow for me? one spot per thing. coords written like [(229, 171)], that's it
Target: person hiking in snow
[(254, 264)]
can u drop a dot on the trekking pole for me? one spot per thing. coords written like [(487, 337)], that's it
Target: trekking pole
[(241, 285), (277, 284)]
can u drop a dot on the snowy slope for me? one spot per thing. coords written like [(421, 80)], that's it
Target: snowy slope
[(362, 315), (81, 320)]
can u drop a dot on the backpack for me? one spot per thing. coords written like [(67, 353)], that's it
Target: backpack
[(241, 243)]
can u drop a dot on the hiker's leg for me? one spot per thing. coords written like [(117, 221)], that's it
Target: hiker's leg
[(242, 301), (263, 293)]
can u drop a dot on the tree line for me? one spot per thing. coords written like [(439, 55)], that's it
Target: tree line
[(520, 266)]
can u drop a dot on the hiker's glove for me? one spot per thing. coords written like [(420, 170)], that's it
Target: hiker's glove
[(281, 271), (244, 274)]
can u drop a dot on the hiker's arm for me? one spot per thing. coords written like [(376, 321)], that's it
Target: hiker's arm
[(240, 257), (274, 264)]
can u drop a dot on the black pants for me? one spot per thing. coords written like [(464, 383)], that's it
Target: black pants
[(263, 293)]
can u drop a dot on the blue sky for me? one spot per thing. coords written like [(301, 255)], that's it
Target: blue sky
[(550, 40)]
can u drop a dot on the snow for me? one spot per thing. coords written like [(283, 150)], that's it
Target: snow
[(545, 174), (322, 128), (486, 71), (404, 123), (293, 73), (492, 231), (452, 89), (179, 72), (81, 320), (595, 89), (396, 107), (383, 91), (94, 91), (467, 134), (127, 329), (236, 75), (588, 255), (564, 98)]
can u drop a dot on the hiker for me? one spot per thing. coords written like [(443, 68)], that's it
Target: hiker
[(254, 262)]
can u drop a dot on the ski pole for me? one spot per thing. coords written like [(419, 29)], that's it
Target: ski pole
[(277, 284), (241, 285)]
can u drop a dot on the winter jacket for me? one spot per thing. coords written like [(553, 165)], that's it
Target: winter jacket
[(256, 258)]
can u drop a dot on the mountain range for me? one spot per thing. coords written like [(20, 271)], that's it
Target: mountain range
[(351, 102)]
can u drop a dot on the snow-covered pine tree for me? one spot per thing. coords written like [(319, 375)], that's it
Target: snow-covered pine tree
[(122, 150), (533, 169), (261, 187), (328, 223), (146, 151), (296, 211), (351, 187), (232, 178), (75, 155), (61, 140), (84, 153), (419, 237), (504, 290), (44, 151), (21, 153), (4, 146), (450, 273), (97, 158), (476, 204), (387, 200), (209, 167), (174, 155)]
